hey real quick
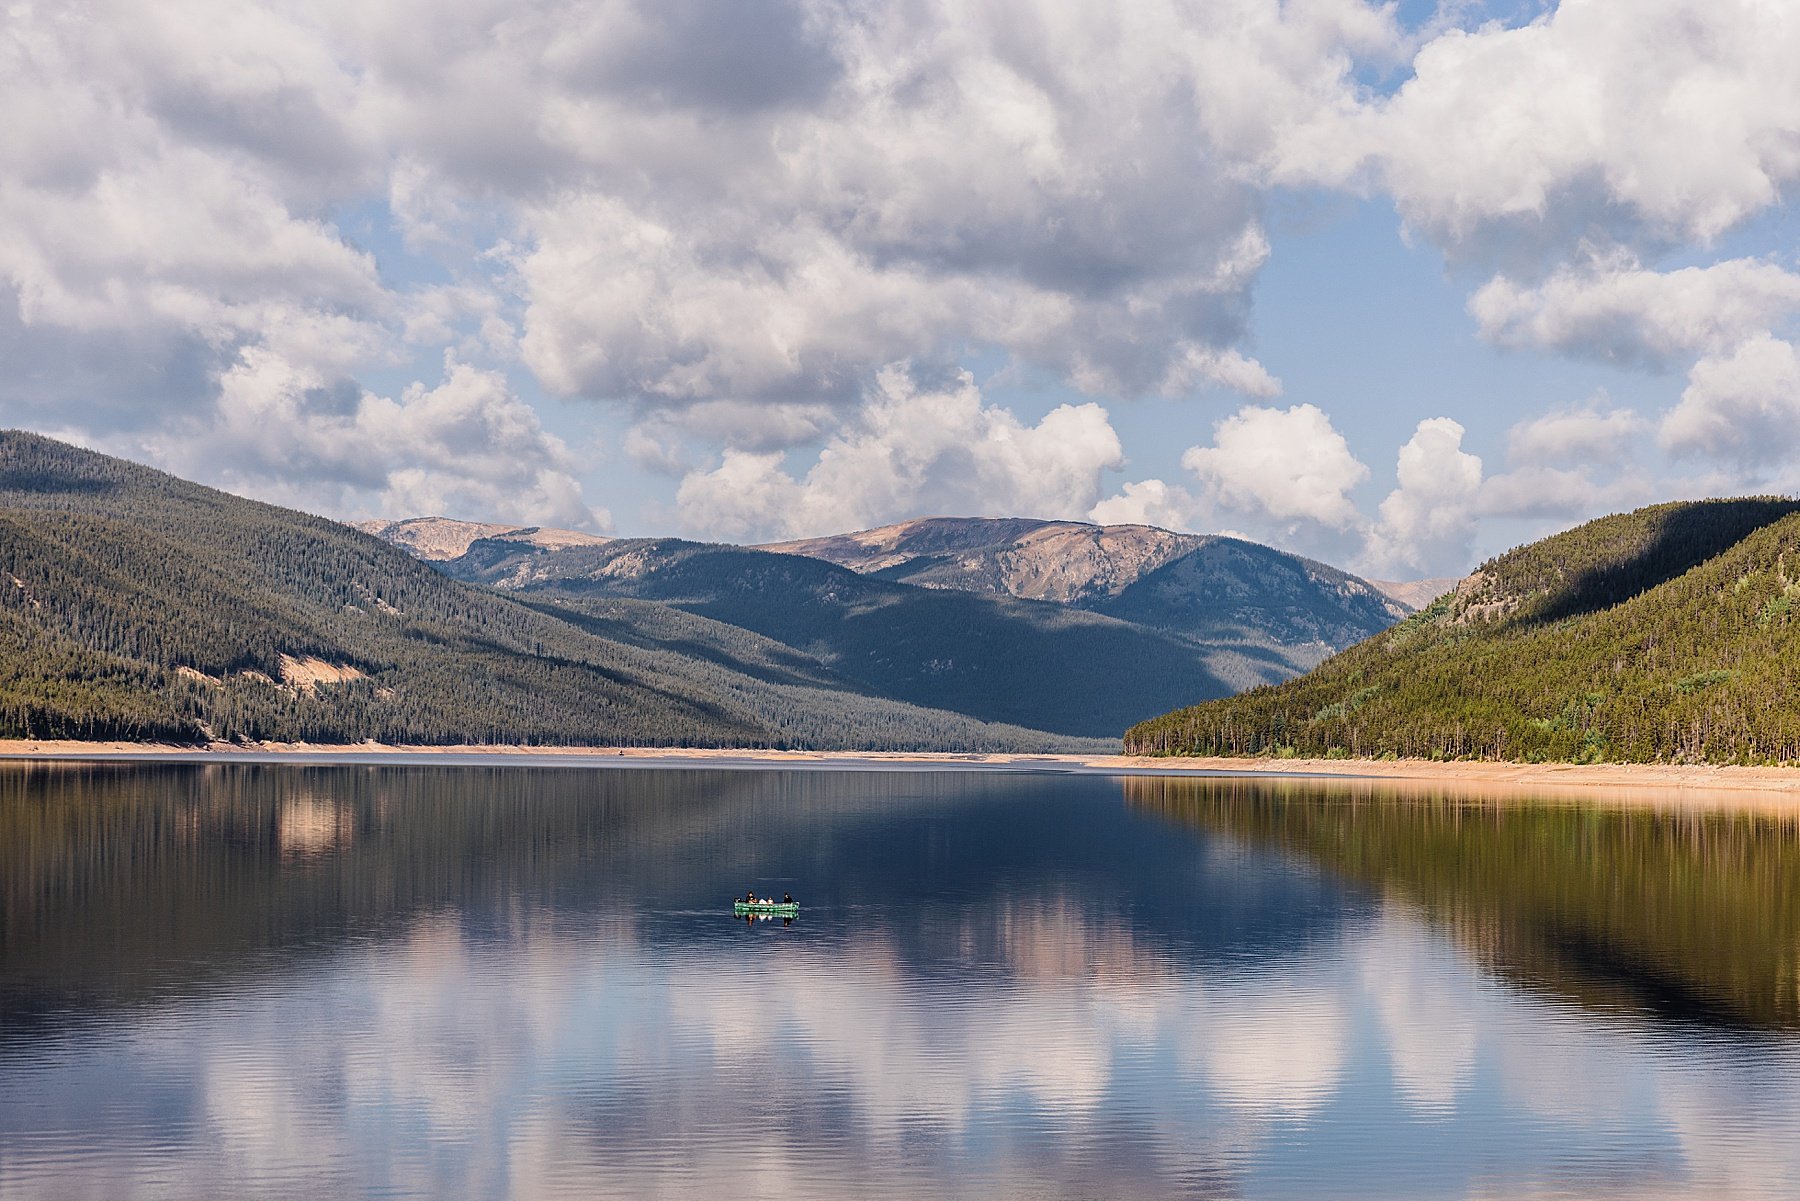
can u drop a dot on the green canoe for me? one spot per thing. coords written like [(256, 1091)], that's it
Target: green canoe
[(778, 908)]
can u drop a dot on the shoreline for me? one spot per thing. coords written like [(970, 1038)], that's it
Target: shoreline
[(1557, 776)]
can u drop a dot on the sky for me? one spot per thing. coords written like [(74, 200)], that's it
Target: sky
[(1397, 286)]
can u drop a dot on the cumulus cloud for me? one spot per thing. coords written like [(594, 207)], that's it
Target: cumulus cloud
[(179, 217), (727, 216), (1563, 493), (468, 444), (1742, 406), (1428, 521), (1658, 121), (1284, 476), (1565, 465), (1585, 434), (1151, 502), (912, 450), (1613, 309), (967, 174), (691, 204), (1287, 476), (1288, 464)]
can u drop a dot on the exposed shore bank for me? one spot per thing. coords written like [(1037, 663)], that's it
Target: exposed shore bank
[(1478, 775)]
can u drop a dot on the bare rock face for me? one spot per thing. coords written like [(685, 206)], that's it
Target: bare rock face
[(1200, 585), (871, 551), (1416, 594), (443, 538), (1060, 625), (1068, 562)]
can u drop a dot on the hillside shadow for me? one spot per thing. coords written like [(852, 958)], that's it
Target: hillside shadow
[(42, 480), (1682, 541), (800, 671)]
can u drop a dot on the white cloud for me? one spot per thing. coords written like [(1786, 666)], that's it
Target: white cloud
[(1611, 308), (657, 449), (978, 176), (1150, 502), (180, 214), (1283, 476), (1742, 406), (729, 214), (1286, 477), (1650, 119), (467, 446), (912, 450), (1585, 434), (1287, 464), (1565, 493), (1428, 522)]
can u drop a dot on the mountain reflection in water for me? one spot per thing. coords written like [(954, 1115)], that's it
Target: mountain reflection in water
[(261, 982), (1688, 912)]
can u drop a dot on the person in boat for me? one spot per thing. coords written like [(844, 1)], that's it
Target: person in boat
[(749, 898), (787, 898)]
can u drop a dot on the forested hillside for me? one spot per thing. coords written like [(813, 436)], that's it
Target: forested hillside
[(1671, 633), (1228, 588), (134, 605), (993, 657)]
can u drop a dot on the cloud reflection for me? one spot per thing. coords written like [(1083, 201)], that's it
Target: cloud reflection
[(494, 985), (589, 1063)]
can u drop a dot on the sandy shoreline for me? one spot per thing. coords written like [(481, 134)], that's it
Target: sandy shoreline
[(1626, 776)]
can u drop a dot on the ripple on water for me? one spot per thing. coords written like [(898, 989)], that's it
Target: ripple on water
[(529, 984)]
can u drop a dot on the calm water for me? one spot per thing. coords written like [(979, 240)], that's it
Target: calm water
[(237, 981)]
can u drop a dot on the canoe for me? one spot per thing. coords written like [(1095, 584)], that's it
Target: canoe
[(778, 908)]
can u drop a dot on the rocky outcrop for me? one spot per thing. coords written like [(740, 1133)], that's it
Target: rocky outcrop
[(1416, 594), (1200, 585), (1067, 562), (442, 538)]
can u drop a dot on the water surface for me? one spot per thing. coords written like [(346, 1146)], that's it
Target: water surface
[(244, 981)]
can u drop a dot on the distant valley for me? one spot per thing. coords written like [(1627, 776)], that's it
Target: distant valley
[(142, 607), (1072, 628), (139, 607)]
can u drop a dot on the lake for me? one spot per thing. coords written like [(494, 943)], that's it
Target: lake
[(249, 981)]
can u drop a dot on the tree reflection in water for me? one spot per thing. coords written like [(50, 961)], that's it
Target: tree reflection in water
[(1686, 911)]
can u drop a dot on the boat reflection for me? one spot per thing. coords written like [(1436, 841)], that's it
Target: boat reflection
[(423, 983)]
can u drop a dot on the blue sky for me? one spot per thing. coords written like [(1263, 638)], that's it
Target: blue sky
[(1396, 286)]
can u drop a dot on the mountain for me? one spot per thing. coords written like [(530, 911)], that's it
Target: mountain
[(1068, 562), (1416, 594), (997, 658), (1667, 634), (1203, 586), (1055, 625), (134, 605), (434, 538)]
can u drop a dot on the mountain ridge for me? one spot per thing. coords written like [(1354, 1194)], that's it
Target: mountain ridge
[(1127, 617), (1670, 633), (439, 538), (999, 658), (1018, 555), (138, 606), (1036, 559), (1203, 586)]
